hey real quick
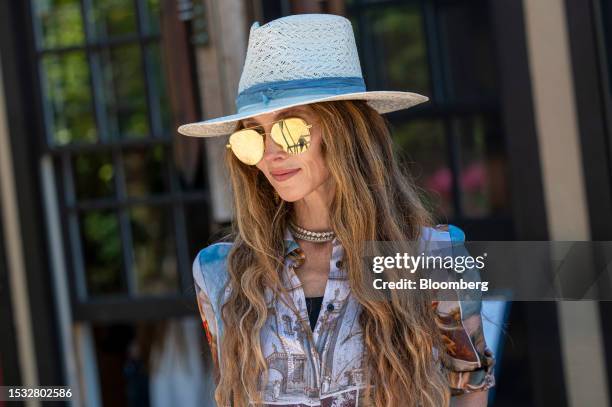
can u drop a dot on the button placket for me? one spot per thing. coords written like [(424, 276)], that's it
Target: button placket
[(335, 290), (335, 298), (300, 315)]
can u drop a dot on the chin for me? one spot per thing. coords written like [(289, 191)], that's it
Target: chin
[(292, 193), (291, 190), (291, 196)]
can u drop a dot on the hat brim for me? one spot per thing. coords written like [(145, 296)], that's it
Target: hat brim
[(381, 101)]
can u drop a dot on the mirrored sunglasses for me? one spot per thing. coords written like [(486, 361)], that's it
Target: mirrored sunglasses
[(292, 134)]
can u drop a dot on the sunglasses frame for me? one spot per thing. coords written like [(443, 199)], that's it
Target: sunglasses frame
[(263, 133)]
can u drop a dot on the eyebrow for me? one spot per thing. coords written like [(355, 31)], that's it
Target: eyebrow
[(298, 109)]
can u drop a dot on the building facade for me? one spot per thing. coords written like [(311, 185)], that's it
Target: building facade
[(104, 206)]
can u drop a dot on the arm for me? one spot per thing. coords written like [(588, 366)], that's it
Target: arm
[(469, 362), (209, 322)]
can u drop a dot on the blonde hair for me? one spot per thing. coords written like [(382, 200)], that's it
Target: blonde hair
[(374, 201)]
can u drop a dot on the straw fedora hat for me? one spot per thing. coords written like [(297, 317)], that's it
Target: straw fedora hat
[(297, 60)]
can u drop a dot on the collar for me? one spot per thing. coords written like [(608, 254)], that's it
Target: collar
[(295, 256), (291, 245)]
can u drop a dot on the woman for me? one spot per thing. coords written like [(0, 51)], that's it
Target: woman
[(288, 314)]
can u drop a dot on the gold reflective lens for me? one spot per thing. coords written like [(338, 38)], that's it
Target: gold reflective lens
[(292, 134), (247, 145)]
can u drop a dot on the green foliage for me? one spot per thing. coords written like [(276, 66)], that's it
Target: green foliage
[(120, 88), (400, 41), (102, 247), (60, 22), (68, 97)]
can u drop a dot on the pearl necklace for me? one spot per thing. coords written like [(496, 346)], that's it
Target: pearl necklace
[(309, 235)]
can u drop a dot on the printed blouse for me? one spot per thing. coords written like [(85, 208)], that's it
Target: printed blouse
[(325, 367)]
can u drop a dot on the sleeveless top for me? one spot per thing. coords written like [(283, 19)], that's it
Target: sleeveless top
[(313, 306), (325, 366)]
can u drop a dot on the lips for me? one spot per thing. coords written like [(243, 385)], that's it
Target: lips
[(282, 175)]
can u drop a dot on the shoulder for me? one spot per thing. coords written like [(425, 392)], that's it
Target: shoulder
[(443, 232), (441, 238), (213, 253), (210, 266)]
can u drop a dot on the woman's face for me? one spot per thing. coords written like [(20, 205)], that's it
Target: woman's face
[(292, 176)]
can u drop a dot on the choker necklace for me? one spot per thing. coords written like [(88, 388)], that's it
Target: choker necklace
[(309, 235)]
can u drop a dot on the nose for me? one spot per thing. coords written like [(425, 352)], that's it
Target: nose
[(272, 150)]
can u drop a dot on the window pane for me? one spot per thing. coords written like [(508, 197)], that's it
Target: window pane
[(157, 88), (102, 253), (468, 50), (483, 168), (68, 100), (422, 145), (152, 15), (146, 172), (398, 54), (58, 22), (111, 18), (154, 249), (94, 176), (606, 23), (124, 92)]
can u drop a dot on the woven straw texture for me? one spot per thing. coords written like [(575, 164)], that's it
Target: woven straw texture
[(302, 46), (291, 47)]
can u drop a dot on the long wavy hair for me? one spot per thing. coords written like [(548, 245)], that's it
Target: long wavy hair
[(374, 200)]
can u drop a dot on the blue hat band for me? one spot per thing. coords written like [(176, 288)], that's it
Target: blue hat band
[(263, 93)]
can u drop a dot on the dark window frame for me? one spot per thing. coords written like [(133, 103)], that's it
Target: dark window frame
[(493, 226), (128, 306)]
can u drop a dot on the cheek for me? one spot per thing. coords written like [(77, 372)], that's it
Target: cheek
[(316, 172), (321, 172)]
